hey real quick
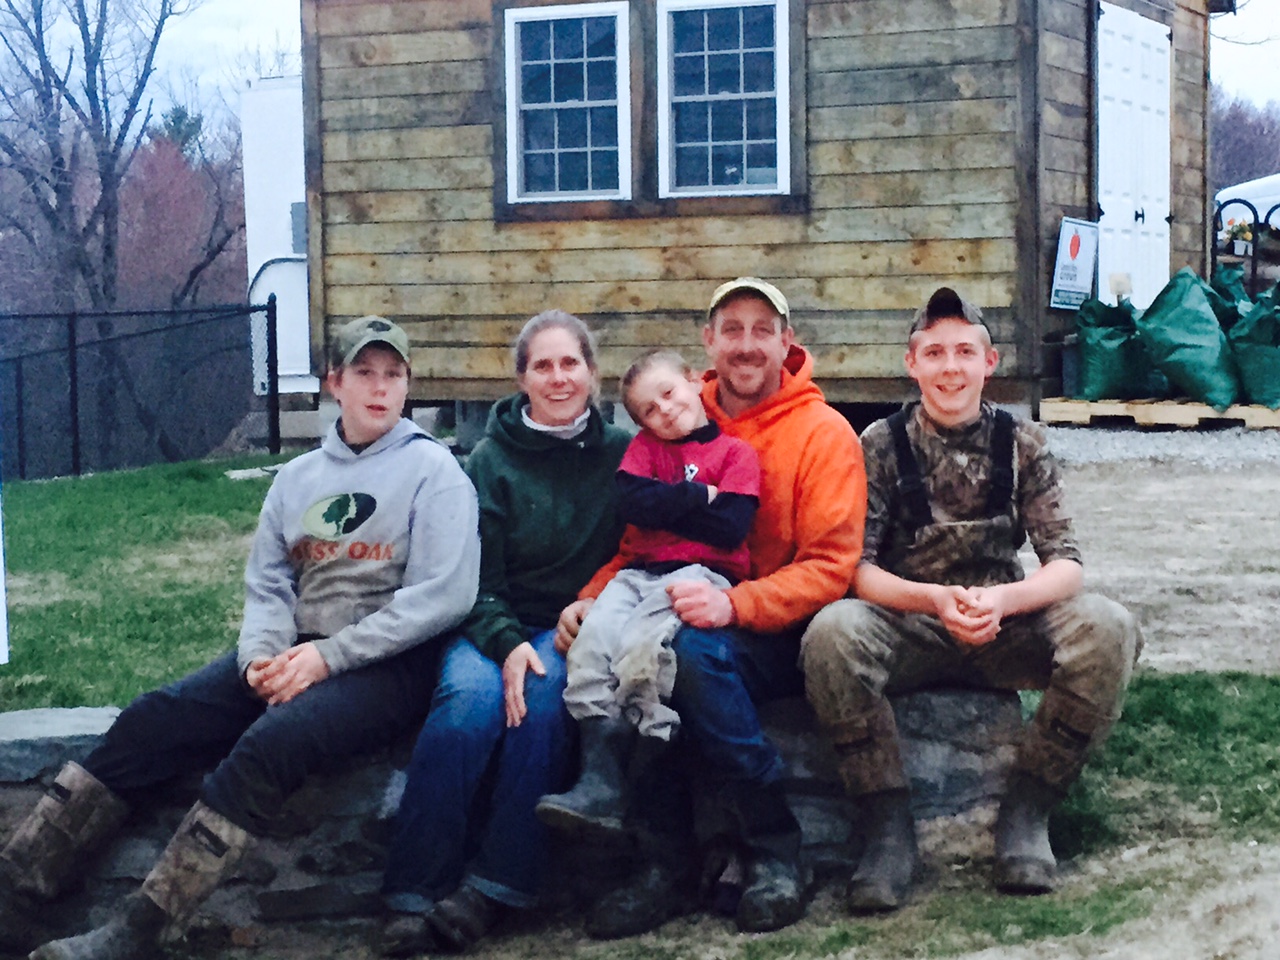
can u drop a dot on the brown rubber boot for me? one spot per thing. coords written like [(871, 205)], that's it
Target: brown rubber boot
[(73, 818), (870, 763), (1062, 734), (888, 863), (204, 850), (1024, 859)]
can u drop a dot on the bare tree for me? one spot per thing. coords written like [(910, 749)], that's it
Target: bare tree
[(1244, 139), (73, 112)]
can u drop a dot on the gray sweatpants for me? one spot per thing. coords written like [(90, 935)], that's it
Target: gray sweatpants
[(622, 662)]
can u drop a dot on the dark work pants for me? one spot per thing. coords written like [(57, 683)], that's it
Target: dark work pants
[(262, 754)]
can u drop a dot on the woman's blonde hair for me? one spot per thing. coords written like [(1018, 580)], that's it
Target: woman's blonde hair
[(549, 319)]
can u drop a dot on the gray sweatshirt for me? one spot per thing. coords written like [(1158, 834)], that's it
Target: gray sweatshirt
[(374, 552)]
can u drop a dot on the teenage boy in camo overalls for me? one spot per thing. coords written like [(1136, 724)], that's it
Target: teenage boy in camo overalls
[(366, 550), (954, 488)]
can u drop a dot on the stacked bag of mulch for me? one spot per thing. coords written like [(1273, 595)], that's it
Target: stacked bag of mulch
[(1206, 341)]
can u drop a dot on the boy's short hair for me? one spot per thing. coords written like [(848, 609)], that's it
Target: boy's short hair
[(659, 356), (354, 335), (946, 304), (754, 285)]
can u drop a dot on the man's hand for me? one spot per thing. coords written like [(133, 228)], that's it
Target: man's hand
[(284, 676), (699, 604), (970, 614), (519, 661), (570, 623)]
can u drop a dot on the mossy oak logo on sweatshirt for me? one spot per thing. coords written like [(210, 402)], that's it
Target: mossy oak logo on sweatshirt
[(338, 516)]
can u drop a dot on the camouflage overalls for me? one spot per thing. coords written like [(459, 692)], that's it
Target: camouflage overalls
[(967, 499)]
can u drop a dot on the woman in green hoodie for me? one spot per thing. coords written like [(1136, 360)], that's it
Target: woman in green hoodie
[(467, 843)]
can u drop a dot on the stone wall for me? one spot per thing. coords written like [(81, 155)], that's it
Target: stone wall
[(325, 858)]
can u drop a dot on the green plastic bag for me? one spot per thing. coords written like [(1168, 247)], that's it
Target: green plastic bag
[(1114, 365), (1182, 334), (1255, 341), (1227, 294)]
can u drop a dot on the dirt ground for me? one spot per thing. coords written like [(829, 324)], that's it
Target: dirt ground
[(1193, 551)]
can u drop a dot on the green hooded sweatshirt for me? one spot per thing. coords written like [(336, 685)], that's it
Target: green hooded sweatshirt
[(548, 522)]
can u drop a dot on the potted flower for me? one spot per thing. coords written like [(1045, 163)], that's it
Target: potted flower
[(1240, 237)]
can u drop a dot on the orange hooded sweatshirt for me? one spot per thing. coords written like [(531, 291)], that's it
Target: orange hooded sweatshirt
[(807, 536)]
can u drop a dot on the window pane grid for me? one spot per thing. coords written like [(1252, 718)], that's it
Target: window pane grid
[(723, 97), (569, 105)]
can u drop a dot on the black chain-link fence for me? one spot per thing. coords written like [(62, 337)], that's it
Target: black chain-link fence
[(88, 391)]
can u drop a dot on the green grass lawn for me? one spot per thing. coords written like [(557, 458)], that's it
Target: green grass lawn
[(119, 582)]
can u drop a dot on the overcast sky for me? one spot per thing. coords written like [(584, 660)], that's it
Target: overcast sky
[(208, 42), (1250, 68)]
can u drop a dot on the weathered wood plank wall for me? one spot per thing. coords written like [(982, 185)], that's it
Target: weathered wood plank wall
[(917, 156), (911, 185)]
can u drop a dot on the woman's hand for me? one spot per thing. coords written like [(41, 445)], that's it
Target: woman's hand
[(570, 623), (287, 674), (523, 658)]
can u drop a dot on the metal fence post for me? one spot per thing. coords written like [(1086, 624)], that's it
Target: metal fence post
[(273, 379), (19, 393), (73, 374)]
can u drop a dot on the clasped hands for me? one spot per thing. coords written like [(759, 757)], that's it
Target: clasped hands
[(972, 615), (280, 678)]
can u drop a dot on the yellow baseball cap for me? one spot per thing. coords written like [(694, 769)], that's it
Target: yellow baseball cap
[(754, 285)]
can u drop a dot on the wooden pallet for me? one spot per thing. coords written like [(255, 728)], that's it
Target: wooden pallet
[(1151, 413)]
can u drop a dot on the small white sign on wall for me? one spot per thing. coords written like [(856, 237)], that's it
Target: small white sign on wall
[(1077, 262)]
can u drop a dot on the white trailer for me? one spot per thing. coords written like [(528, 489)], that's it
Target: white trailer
[(1263, 193), (275, 220)]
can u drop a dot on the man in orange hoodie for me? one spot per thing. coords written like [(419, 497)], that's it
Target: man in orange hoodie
[(740, 646)]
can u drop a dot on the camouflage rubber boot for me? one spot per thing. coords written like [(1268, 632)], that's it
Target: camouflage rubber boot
[(596, 804), (73, 818), (204, 850)]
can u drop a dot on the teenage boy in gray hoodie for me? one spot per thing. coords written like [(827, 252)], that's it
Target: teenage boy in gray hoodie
[(366, 550)]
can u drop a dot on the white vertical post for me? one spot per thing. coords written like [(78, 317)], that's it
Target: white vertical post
[(4, 610)]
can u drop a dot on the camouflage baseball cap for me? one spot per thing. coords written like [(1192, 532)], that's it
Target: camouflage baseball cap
[(946, 304), (754, 285), (354, 335)]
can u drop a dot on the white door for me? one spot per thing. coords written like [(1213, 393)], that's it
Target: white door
[(1134, 56)]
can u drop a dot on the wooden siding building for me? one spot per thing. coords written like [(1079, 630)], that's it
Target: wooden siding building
[(917, 143)]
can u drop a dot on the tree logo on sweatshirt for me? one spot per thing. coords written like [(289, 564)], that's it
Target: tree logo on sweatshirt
[(338, 516)]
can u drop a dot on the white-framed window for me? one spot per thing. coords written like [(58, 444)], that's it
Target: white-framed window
[(724, 116), (568, 103)]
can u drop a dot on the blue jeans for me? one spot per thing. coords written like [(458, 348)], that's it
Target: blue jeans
[(720, 677), (262, 754), (467, 812)]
